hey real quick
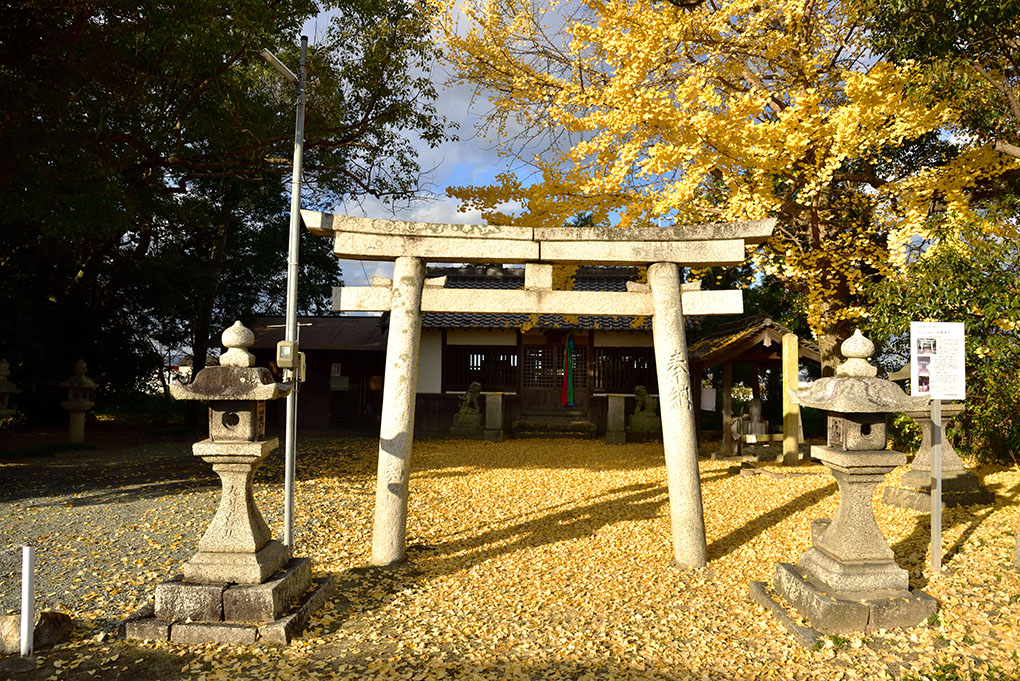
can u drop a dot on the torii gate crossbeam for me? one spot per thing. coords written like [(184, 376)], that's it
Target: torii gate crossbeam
[(410, 244)]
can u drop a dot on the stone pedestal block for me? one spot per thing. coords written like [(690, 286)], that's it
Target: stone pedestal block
[(237, 546), (267, 601), (494, 417), (833, 612), (616, 420), (239, 568), (269, 613), (849, 554), (178, 600)]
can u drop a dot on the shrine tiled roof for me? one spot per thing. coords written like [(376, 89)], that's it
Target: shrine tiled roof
[(512, 278), (324, 333)]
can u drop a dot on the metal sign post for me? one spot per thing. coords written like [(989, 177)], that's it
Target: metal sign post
[(936, 487), (937, 369), (291, 335)]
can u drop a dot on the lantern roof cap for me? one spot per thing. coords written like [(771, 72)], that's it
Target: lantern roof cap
[(855, 389), (79, 379)]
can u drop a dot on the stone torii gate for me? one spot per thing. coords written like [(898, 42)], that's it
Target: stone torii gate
[(410, 244)]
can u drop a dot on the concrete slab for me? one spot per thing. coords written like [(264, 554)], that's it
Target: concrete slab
[(805, 636)]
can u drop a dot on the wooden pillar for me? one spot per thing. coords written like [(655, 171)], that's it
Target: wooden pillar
[(756, 381), (696, 370), (389, 533), (791, 412), (727, 409), (679, 441)]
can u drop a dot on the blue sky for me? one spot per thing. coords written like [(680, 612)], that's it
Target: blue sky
[(471, 160)]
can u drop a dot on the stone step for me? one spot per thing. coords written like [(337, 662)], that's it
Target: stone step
[(559, 434), (554, 427)]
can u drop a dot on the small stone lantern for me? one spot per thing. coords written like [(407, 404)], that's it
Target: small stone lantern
[(242, 586), (848, 580), (7, 388), (80, 394)]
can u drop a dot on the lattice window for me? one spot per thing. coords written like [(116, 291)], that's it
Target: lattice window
[(618, 370), (543, 366), (495, 367)]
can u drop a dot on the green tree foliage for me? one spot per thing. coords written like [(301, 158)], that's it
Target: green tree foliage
[(970, 50), (973, 278), (145, 154)]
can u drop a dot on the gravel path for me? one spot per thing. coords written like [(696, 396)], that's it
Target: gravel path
[(528, 559)]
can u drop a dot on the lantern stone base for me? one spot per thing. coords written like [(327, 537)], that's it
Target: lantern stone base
[(245, 614), (835, 612), (211, 567), (959, 488)]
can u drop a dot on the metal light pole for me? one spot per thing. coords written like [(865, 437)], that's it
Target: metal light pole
[(291, 334)]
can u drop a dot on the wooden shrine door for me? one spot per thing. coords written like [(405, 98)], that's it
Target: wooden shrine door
[(542, 378)]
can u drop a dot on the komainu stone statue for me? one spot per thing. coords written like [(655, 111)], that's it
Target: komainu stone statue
[(644, 423), (468, 421)]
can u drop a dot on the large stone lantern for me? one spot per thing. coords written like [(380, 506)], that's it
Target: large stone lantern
[(242, 586), (7, 388), (80, 398), (849, 580)]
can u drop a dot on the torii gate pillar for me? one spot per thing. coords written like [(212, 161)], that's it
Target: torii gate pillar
[(397, 430), (679, 437)]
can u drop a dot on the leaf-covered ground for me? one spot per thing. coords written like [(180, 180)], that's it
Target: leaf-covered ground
[(528, 559)]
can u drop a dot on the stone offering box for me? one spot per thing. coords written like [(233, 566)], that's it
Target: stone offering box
[(848, 581), (242, 586)]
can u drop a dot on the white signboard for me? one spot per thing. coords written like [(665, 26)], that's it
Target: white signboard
[(937, 360), (335, 370)]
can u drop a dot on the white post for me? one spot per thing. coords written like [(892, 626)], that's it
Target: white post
[(27, 600), (936, 487), (679, 438), (396, 432)]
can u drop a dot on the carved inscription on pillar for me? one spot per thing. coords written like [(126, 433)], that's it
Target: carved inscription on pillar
[(680, 386)]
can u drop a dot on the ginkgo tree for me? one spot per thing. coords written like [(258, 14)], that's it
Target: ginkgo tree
[(709, 111)]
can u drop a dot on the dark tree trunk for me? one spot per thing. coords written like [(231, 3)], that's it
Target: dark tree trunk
[(202, 327)]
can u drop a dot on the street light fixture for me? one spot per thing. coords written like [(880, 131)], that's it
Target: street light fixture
[(289, 346)]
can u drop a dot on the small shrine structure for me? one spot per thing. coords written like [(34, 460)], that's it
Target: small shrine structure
[(761, 343), (411, 244)]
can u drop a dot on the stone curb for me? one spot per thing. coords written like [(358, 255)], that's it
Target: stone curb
[(805, 636)]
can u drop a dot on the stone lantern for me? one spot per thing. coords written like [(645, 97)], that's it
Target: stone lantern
[(80, 393), (242, 586), (849, 580), (960, 487), (6, 390)]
